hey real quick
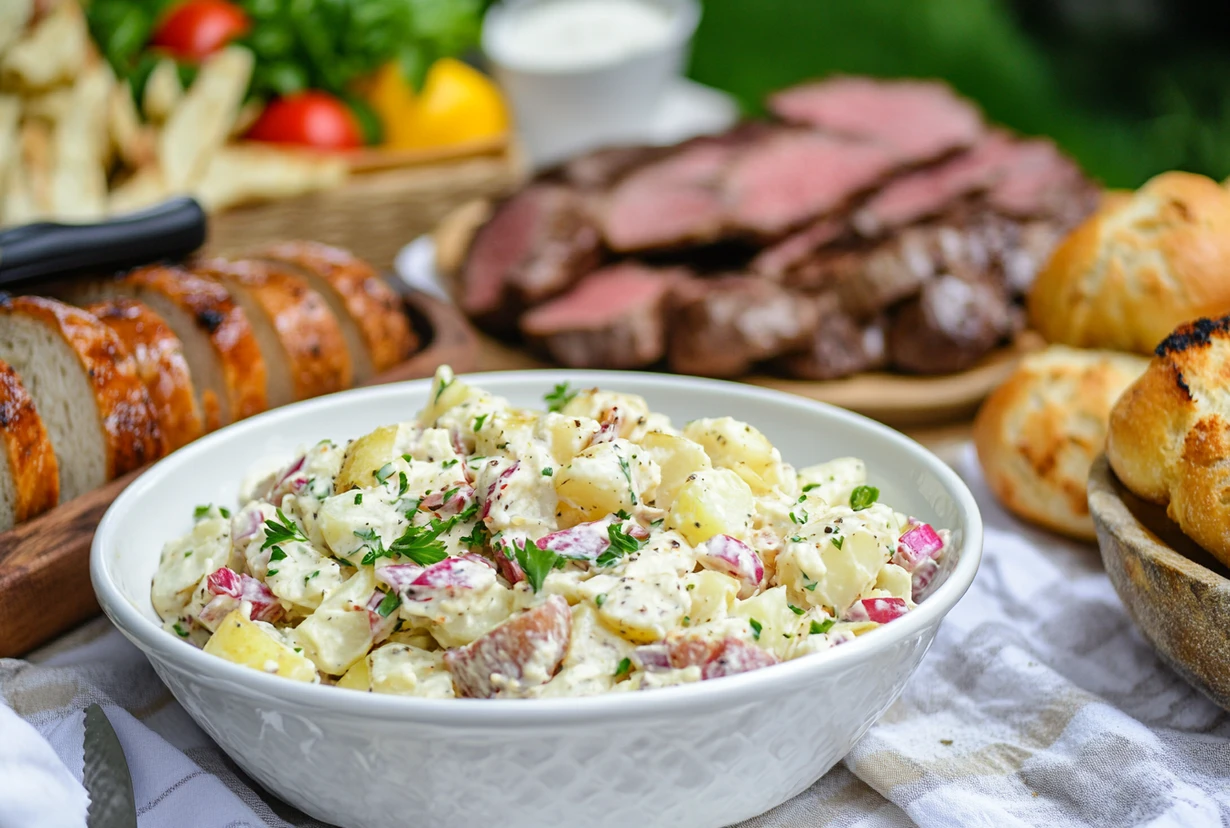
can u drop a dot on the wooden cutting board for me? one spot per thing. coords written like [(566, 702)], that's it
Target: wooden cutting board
[(44, 564)]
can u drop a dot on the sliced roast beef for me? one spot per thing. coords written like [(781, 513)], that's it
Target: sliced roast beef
[(721, 327), (776, 260), (601, 168), (537, 243), (614, 318), (789, 178), (919, 120), (950, 326), (1040, 181), (838, 346)]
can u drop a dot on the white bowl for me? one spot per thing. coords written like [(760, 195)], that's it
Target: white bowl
[(563, 111), (706, 754)]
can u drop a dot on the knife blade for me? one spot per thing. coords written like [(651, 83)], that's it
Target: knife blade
[(107, 780)]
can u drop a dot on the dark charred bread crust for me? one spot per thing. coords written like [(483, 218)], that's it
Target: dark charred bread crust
[(31, 460)]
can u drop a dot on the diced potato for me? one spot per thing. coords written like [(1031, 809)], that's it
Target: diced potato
[(778, 623), (594, 402), (339, 633), (510, 431), (446, 392), (644, 605), (409, 671), (835, 480), (565, 436), (730, 442), (712, 502), (849, 571), (364, 457), (358, 677), (677, 457), (239, 640), (608, 477), (713, 595), (896, 582)]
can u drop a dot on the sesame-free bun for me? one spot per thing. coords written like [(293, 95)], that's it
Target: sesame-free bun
[(1138, 267), (1039, 432), (1169, 436)]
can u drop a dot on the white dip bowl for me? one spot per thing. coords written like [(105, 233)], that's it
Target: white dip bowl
[(704, 754)]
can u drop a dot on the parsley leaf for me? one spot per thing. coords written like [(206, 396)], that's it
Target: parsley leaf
[(548, 472), (179, 630), (837, 540), (271, 573), (820, 627), (863, 496), (225, 512), (559, 397), (756, 628), (535, 563), (600, 599), (277, 554), (281, 532), (625, 667), (388, 604), (358, 498), (478, 422), (477, 537), (800, 518), (422, 544), (795, 610), (811, 486), (810, 587), (623, 466), (201, 511), (622, 543), (382, 473), (402, 484), (443, 385), (448, 464)]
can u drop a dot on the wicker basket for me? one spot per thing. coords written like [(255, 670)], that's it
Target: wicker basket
[(374, 214)]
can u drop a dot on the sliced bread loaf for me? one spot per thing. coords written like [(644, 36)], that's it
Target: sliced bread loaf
[(300, 338), (29, 480), (222, 353), (161, 365), (373, 322), (84, 386)]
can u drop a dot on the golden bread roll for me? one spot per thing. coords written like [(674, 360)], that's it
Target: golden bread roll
[(1138, 267), (1038, 433), (1169, 437)]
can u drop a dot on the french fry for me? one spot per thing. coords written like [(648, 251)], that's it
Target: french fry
[(132, 141), (200, 124), (10, 137), (81, 148), (15, 15), (242, 173), (36, 166), (50, 106), (53, 52), (144, 188), (163, 92)]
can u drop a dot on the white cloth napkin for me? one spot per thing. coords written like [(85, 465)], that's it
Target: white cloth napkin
[(1038, 705)]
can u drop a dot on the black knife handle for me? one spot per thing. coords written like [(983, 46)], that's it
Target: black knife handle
[(173, 229)]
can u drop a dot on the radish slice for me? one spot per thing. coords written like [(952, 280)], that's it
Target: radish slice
[(653, 658), (585, 541), (725, 554), (225, 582), (449, 575), (922, 576), (456, 504), (398, 576), (246, 524), (736, 656), (498, 485), (917, 544), (879, 610)]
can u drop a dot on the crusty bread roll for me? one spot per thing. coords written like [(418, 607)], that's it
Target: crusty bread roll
[(1138, 267), (1169, 437), (159, 356), (85, 386), (1039, 432), (29, 479)]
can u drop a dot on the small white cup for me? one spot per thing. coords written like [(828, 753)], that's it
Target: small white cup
[(564, 111)]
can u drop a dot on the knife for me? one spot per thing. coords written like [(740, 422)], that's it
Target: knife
[(107, 781), (171, 230)]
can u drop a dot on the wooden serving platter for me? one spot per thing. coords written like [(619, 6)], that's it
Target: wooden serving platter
[(44, 564)]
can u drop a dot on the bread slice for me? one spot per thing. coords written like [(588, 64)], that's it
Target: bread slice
[(376, 329), (84, 385), (300, 338), (29, 478), (161, 365), (223, 355)]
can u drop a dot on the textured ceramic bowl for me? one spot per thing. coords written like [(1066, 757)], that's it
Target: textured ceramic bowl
[(1178, 594), (707, 754)]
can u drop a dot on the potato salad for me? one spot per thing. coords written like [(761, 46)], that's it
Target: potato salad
[(483, 550)]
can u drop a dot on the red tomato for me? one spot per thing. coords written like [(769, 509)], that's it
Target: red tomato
[(312, 118), (195, 29)]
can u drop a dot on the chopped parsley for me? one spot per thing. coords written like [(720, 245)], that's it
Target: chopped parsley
[(811, 486), (179, 630), (310, 576), (448, 464), (344, 562), (810, 586), (388, 604), (478, 422), (687, 620), (203, 511), (409, 460), (623, 466), (837, 540), (271, 573), (548, 472), (281, 532), (600, 599), (358, 498), (656, 523), (800, 518), (795, 610), (440, 390), (536, 563), (820, 627), (382, 474), (625, 667), (402, 484), (447, 496), (559, 397), (796, 538), (863, 496), (477, 537), (277, 554), (622, 543), (756, 628), (188, 554)]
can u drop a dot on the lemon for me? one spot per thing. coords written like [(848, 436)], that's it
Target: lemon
[(457, 104)]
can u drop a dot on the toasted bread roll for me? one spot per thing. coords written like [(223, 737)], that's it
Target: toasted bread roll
[(300, 338), (1138, 267), (1039, 432), (29, 478), (222, 352), (1169, 437), (376, 329), (161, 365), (85, 387)]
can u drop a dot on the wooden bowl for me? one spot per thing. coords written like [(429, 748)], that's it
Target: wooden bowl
[(1178, 594)]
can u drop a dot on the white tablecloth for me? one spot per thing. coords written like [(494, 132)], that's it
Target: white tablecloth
[(1038, 705)]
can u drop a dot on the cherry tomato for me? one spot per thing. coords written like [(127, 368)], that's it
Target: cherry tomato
[(195, 29), (312, 118)]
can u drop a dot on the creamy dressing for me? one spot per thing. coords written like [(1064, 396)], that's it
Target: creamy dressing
[(561, 35)]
